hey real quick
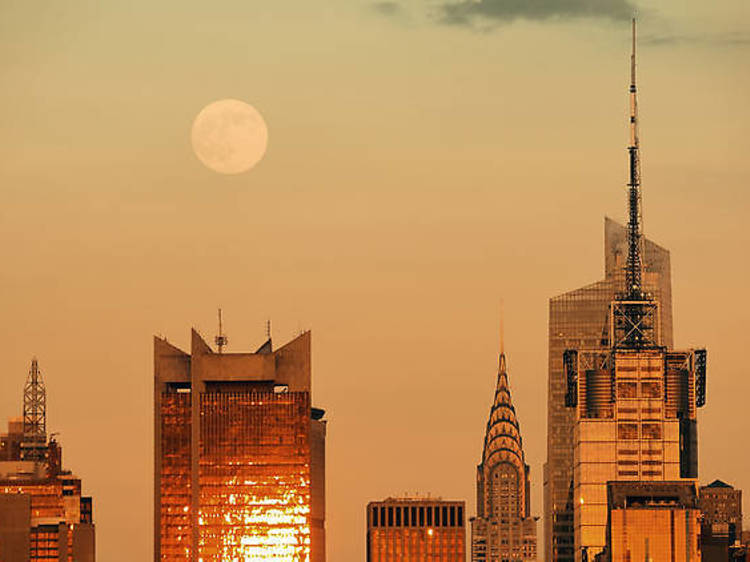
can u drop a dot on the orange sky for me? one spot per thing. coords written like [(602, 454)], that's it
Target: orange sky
[(416, 174)]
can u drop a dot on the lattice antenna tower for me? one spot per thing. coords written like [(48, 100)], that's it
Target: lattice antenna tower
[(634, 268), (34, 414), (221, 339), (635, 321)]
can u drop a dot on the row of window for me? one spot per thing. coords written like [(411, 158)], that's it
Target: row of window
[(630, 431), (649, 389), (417, 516)]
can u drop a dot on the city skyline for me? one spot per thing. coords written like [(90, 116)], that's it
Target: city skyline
[(394, 237)]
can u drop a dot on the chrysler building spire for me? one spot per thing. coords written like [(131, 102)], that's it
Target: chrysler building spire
[(503, 528)]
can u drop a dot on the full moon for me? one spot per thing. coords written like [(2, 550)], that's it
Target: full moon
[(229, 136)]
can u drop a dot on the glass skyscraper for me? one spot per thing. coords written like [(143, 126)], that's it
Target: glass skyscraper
[(579, 320), (240, 452)]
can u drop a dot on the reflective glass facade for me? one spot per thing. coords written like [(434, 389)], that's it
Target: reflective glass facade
[(579, 320), (176, 538), (239, 455), (254, 477)]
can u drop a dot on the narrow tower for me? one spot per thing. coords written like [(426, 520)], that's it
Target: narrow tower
[(635, 313), (34, 443), (503, 528)]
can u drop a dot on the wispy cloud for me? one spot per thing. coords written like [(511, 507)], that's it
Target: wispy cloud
[(470, 12), (729, 38), (386, 8)]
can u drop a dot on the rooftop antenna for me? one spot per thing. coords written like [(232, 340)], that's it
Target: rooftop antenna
[(221, 340), (634, 267), (34, 415), (635, 313), (502, 327), (268, 329), (502, 365)]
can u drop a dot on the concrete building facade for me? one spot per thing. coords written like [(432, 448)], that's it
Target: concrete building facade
[(239, 454), (416, 530), (503, 530), (721, 506), (721, 520)]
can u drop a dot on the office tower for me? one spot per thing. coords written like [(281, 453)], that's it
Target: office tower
[(42, 513), (579, 319), (635, 402), (239, 454), (416, 529), (652, 521), (721, 524), (503, 528)]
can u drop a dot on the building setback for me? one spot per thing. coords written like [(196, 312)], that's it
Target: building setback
[(239, 454), (503, 529), (652, 521), (43, 516), (417, 530)]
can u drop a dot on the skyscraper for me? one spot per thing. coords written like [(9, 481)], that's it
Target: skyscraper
[(635, 401), (416, 529), (42, 513), (239, 454), (503, 528), (579, 319)]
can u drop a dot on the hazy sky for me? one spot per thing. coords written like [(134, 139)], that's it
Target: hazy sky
[(426, 159)]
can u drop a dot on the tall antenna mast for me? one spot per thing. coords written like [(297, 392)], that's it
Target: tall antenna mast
[(221, 340), (502, 365), (635, 314), (634, 267), (34, 415)]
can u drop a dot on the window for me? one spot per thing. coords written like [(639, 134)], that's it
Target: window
[(651, 431), (627, 431), (650, 390), (627, 390)]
